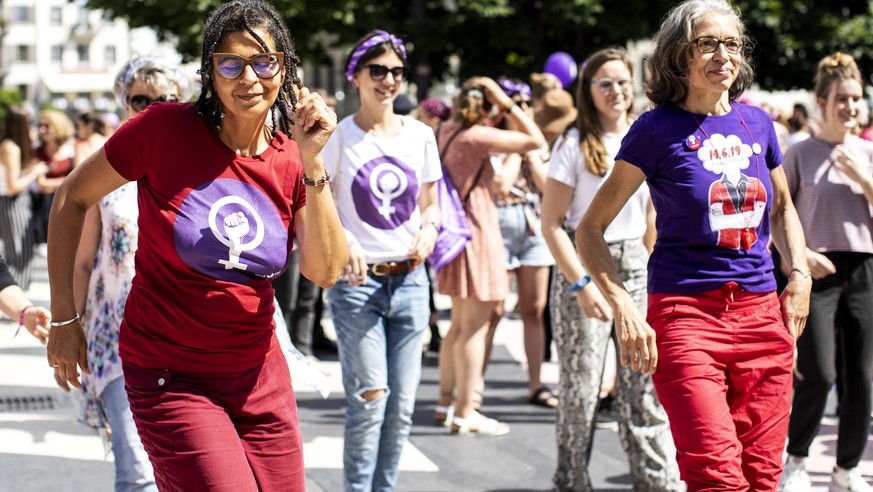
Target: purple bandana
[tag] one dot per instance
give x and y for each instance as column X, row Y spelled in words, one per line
column 380, row 37
column 512, row 88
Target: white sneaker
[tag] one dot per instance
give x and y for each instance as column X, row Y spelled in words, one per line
column 478, row 424
column 794, row 476
column 848, row 481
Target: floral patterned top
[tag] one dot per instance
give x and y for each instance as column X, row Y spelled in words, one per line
column 107, row 293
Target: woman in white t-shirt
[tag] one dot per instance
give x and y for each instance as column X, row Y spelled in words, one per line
column 384, row 169
column 581, row 318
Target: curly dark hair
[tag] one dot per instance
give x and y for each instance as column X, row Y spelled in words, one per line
column 248, row 15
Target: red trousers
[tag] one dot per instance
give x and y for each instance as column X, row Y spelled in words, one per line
column 218, row 431
column 724, row 378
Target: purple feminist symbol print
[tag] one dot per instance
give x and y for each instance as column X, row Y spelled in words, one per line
column 385, row 192
column 230, row 230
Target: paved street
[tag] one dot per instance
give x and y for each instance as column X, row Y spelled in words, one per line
column 42, row 448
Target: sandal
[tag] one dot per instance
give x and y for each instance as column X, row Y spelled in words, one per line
column 478, row 424
column 443, row 415
column 543, row 397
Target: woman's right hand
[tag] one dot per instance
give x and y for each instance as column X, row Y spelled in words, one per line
column 356, row 268
column 636, row 339
column 593, row 304
column 67, row 348
column 493, row 92
column 820, row 265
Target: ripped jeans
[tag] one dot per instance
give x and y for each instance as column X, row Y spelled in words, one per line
column 380, row 328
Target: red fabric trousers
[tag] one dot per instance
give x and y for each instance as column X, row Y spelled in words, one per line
column 724, row 378
column 219, row 432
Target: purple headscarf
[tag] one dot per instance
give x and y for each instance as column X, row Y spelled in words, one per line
column 360, row 50
column 437, row 108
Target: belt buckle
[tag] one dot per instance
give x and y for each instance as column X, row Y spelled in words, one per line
column 376, row 268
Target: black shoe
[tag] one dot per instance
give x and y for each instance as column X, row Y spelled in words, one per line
column 324, row 346
column 435, row 341
column 607, row 414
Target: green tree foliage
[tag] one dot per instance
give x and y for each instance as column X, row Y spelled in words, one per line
column 514, row 37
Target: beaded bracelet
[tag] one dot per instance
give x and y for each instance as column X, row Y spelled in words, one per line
column 65, row 322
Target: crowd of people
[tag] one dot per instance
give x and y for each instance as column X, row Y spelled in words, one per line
column 256, row 188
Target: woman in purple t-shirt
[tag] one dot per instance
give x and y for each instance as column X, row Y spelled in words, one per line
column 720, row 339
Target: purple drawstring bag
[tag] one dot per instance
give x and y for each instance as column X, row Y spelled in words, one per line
column 454, row 232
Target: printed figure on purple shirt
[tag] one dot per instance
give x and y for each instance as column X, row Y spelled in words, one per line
column 737, row 202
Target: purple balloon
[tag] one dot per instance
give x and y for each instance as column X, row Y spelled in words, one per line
column 562, row 66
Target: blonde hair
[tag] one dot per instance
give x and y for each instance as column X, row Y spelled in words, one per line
column 60, row 124
column 834, row 68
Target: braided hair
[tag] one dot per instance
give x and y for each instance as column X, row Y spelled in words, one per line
column 248, row 15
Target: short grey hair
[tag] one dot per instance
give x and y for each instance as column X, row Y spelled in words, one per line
column 154, row 72
column 668, row 65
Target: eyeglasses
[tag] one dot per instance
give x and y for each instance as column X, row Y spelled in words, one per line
column 710, row 45
column 265, row 65
column 606, row 84
column 379, row 72
column 141, row 101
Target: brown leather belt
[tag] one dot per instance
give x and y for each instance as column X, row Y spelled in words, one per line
column 393, row 267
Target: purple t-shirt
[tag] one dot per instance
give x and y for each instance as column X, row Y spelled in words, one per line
column 710, row 184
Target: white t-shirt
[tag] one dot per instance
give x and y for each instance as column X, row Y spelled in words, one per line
column 376, row 182
column 567, row 166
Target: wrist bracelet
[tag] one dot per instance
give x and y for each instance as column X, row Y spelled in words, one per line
column 21, row 318
column 65, row 322
column 804, row 274
column 509, row 108
column 316, row 182
column 579, row 284
column 434, row 224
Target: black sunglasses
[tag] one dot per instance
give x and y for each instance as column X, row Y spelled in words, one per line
column 141, row 101
column 379, row 72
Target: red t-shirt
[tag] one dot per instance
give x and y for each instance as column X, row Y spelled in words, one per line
column 214, row 229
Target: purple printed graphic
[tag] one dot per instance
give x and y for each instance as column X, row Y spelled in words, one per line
column 385, row 192
column 230, row 230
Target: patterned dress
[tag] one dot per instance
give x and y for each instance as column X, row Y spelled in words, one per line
column 479, row 272
column 107, row 293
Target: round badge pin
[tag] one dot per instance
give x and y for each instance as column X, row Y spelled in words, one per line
column 692, row 142
column 756, row 148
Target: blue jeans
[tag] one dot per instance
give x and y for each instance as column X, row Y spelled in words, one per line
column 379, row 328
column 133, row 470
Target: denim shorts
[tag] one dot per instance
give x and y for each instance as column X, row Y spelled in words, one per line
column 522, row 248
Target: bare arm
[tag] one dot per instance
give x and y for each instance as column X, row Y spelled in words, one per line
column 89, row 182
column 539, row 169
column 320, row 236
column 36, row 318
column 651, row 234
column 787, row 235
column 428, row 203
column 526, row 136
column 556, row 202
column 636, row 337
column 85, row 255
column 17, row 179
column 504, row 182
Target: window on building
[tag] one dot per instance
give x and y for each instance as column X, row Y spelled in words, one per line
column 22, row 14
column 23, row 53
column 108, row 19
column 109, row 55
column 55, row 16
column 57, row 54
column 82, row 51
column 25, row 91
column 83, row 16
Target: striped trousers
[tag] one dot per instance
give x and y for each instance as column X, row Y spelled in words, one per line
column 16, row 236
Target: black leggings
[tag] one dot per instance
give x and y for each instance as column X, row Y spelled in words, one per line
column 847, row 294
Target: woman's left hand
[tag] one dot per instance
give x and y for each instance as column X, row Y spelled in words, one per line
column 795, row 303
column 313, row 123
column 423, row 243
